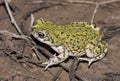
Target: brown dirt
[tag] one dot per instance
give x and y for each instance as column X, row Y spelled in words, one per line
column 107, row 15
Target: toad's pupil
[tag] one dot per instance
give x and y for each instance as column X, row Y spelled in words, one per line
column 41, row 35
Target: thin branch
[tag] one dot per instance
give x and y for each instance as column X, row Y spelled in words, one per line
column 57, row 74
column 39, row 1
column 12, row 34
column 92, row 2
column 12, row 18
column 72, row 70
column 63, row 2
column 106, row 2
column 36, row 52
column 94, row 13
column 78, row 76
column 32, row 21
column 79, row 1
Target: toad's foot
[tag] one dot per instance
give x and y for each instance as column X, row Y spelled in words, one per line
column 55, row 60
column 91, row 60
column 52, row 61
column 48, row 64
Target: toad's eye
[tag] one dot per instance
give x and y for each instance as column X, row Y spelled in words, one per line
column 41, row 34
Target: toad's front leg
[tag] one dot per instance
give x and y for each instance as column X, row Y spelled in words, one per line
column 63, row 55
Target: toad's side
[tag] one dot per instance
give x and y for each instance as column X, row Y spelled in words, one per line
column 76, row 39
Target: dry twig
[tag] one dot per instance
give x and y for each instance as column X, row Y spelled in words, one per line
column 72, row 71
column 12, row 18
column 57, row 74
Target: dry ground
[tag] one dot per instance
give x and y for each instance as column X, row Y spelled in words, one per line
column 108, row 69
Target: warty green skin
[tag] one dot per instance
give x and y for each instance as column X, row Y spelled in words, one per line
column 76, row 39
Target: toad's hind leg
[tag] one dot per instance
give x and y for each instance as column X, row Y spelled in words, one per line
column 63, row 55
column 91, row 60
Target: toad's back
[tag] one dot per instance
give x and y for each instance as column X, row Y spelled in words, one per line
column 73, row 37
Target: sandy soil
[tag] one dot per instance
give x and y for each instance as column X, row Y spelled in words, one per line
column 108, row 69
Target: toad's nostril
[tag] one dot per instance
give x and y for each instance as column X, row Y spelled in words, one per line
column 95, row 26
